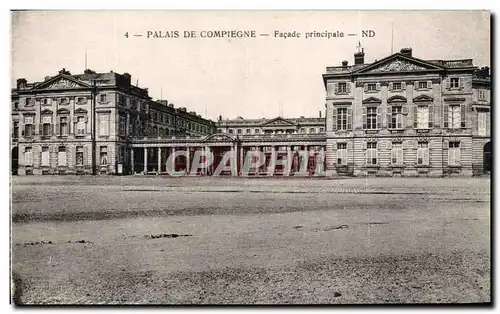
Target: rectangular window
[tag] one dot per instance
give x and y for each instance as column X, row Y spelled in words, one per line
column 121, row 126
column 423, row 153
column 80, row 126
column 28, row 130
column 46, row 129
column 248, row 131
column 29, row 102
column 396, row 86
column 422, row 117
column 79, row 156
column 481, row 95
column 397, row 154
column 371, row 153
column 63, row 126
column 81, row 100
column 341, row 118
column 45, row 156
column 104, row 155
column 312, row 130
column 257, row 131
column 61, row 156
column 15, row 130
column 396, row 118
column 422, row 85
column 103, row 124
column 321, row 130
column 454, row 116
column 454, row 82
column 371, row 118
column 482, row 123
column 28, row 156
column 102, row 98
column 454, row 153
column 371, row 87
column 231, row 131
column 342, row 153
column 342, row 88
column 302, row 130
column 239, row 131
column 64, row 101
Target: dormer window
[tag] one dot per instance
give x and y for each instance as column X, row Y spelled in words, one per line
column 372, row 87
column 454, row 82
column 103, row 98
column 422, row 85
column 396, row 86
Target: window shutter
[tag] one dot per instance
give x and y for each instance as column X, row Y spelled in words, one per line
column 349, row 118
column 86, row 119
column 365, row 146
column 379, row 117
column 405, row 110
column 336, row 87
column 40, row 129
column 57, row 132
column 334, row 118
column 389, row 145
column 365, row 87
column 431, row 116
column 463, row 113
column 349, row 146
column 403, row 85
column 415, row 85
column 429, row 84
column 415, row 116
column 461, row 82
column 388, row 117
column 426, row 156
column 348, row 87
column 445, row 116
column 378, row 86
column 390, row 86
column 448, row 83
column 364, row 118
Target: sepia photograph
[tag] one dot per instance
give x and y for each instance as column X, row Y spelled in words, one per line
column 162, row 157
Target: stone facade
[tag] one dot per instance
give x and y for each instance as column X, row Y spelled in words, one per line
column 405, row 116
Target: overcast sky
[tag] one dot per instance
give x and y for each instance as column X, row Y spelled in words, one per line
column 247, row 77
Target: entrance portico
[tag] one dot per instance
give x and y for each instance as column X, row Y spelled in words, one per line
column 228, row 153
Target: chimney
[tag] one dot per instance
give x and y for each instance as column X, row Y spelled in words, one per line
column 406, row 52
column 21, row 83
column 359, row 57
column 127, row 77
column 220, row 117
column 344, row 64
column 64, row 71
column 320, row 113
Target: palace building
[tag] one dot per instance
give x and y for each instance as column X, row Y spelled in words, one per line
column 402, row 115
column 398, row 116
column 83, row 124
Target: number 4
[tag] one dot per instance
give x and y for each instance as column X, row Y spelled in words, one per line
column 126, row 34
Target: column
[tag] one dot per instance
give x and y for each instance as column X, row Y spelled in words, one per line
column 159, row 160
column 241, row 159
column 188, row 159
column 132, row 160
column 289, row 159
column 234, row 160
column 173, row 159
column 273, row 158
column 206, row 152
column 145, row 160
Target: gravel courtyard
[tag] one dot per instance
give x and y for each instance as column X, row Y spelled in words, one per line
column 207, row 240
